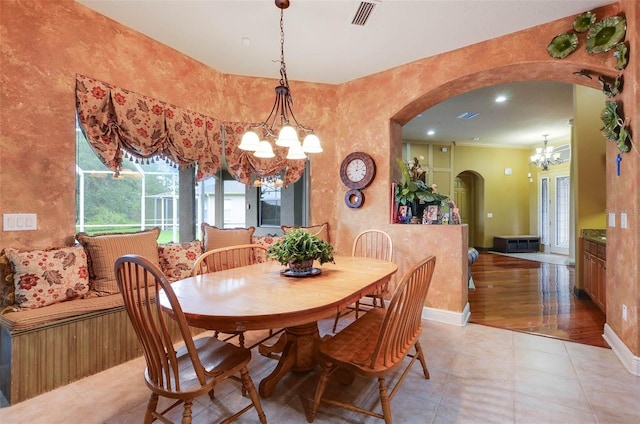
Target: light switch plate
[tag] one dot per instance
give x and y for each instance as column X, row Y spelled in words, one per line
column 612, row 219
column 623, row 220
column 19, row 221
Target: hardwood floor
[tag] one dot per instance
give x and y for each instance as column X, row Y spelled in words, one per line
column 533, row 297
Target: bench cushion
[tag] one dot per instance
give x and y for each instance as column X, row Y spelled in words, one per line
column 33, row 318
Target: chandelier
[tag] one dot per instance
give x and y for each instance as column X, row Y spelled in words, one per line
column 281, row 117
column 545, row 157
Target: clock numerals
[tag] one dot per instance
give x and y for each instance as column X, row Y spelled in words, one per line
column 356, row 170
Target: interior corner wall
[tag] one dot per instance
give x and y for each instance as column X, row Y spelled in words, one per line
column 588, row 151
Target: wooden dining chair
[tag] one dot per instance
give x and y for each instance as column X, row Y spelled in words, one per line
column 370, row 244
column 189, row 371
column 227, row 258
column 379, row 343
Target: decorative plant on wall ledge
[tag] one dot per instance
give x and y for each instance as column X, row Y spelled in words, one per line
column 413, row 188
column 601, row 37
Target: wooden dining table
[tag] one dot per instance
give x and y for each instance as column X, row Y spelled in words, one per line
column 260, row 297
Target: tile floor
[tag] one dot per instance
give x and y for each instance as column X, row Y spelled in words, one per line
column 478, row 375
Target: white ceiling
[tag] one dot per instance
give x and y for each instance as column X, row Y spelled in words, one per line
column 321, row 45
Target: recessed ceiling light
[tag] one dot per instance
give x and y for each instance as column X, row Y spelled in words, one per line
column 501, row 99
column 431, row 132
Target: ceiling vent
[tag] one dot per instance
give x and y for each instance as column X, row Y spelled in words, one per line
column 468, row 115
column 362, row 15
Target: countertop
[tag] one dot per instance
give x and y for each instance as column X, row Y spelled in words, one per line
column 595, row 235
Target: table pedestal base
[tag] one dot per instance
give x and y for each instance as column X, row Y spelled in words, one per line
column 297, row 347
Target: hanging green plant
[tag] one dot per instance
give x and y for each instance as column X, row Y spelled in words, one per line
column 611, row 87
column 562, row 45
column 614, row 128
column 583, row 22
column 609, row 117
column 621, row 55
column 624, row 141
column 603, row 35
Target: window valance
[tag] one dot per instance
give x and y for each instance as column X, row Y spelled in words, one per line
column 243, row 165
column 115, row 120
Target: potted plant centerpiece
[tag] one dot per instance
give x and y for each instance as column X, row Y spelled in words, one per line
column 298, row 249
column 413, row 191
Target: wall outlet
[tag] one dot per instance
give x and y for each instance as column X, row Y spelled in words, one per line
column 489, row 215
column 624, row 312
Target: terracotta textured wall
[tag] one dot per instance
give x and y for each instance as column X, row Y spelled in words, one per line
column 44, row 44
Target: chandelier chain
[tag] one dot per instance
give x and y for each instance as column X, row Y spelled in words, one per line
column 283, row 67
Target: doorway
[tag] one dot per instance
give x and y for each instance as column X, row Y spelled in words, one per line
column 468, row 190
column 554, row 218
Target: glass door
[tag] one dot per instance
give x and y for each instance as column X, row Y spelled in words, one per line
column 554, row 214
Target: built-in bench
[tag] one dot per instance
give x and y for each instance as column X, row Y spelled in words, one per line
column 516, row 244
column 47, row 347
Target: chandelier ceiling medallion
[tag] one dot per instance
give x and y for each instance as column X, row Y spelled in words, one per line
column 545, row 157
column 281, row 117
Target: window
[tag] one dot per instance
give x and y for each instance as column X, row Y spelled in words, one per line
column 562, row 212
column 156, row 194
column 544, row 211
column 143, row 196
column 269, row 206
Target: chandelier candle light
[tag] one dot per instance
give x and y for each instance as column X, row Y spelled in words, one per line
column 545, row 157
column 280, row 116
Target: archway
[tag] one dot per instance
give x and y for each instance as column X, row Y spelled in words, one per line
column 468, row 195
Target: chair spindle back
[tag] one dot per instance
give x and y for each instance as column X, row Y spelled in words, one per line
column 403, row 319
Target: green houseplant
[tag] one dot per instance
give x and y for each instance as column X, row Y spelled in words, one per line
column 298, row 249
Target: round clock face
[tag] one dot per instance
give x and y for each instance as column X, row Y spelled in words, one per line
column 357, row 170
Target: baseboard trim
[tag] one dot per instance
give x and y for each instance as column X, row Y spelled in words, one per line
column 459, row 319
column 628, row 359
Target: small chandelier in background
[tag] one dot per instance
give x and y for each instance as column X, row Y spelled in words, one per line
column 271, row 181
column 545, row 157
column 281, row 116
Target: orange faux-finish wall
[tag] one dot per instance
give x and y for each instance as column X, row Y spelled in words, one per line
column 44, row 44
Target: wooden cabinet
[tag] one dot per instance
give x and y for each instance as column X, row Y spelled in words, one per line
column 594, row 275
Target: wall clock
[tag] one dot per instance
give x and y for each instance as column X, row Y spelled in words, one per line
column 357, row 171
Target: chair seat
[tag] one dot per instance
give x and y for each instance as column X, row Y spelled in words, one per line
column 218, row 358
column 353, row 347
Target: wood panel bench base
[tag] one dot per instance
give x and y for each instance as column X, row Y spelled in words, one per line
column 44, row 358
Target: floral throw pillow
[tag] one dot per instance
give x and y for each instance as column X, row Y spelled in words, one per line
column 44, row 277
column 177, row 259
column 265, row 241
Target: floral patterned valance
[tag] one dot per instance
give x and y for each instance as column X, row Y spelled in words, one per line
column 243, row 164
column 115, row 120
